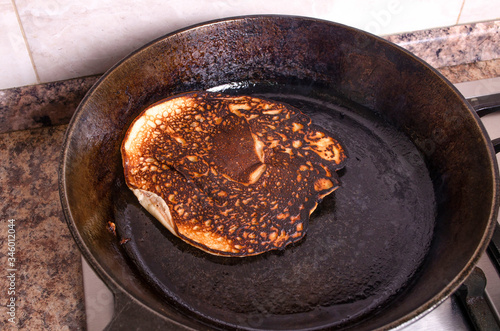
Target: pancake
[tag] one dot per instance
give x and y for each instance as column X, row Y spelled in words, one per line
column 233, row 176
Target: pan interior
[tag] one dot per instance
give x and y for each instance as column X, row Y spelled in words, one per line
column 364, row 244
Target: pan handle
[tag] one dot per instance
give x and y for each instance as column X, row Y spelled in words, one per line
column 130, row 314
column 126, row 312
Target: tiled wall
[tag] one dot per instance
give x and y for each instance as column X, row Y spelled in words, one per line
column 49, row 40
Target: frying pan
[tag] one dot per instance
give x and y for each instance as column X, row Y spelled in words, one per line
column 416, row 208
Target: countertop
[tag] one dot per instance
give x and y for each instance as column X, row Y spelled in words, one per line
column 33, row 119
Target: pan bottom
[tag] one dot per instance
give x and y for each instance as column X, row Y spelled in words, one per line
column 364, row 244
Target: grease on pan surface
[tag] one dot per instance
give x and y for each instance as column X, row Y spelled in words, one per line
column 233, row 176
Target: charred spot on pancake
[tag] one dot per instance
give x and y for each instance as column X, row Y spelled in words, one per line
column 233, row 176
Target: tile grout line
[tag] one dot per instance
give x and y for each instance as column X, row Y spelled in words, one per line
column 38, row 80
column 459, row 13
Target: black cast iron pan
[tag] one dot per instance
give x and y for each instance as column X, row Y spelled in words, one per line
column 415, row 210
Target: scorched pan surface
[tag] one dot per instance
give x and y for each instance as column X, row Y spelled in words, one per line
column 379, row 250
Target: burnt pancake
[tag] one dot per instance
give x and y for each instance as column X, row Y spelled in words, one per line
column 233, row 176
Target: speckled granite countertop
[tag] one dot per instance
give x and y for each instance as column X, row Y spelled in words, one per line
column 33, row 120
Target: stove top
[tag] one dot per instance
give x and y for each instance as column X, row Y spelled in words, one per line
column 452, row 314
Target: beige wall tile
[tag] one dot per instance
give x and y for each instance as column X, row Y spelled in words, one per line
column 480, row 10
column 76, row 38
column 15, row 67
column 385, row 17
